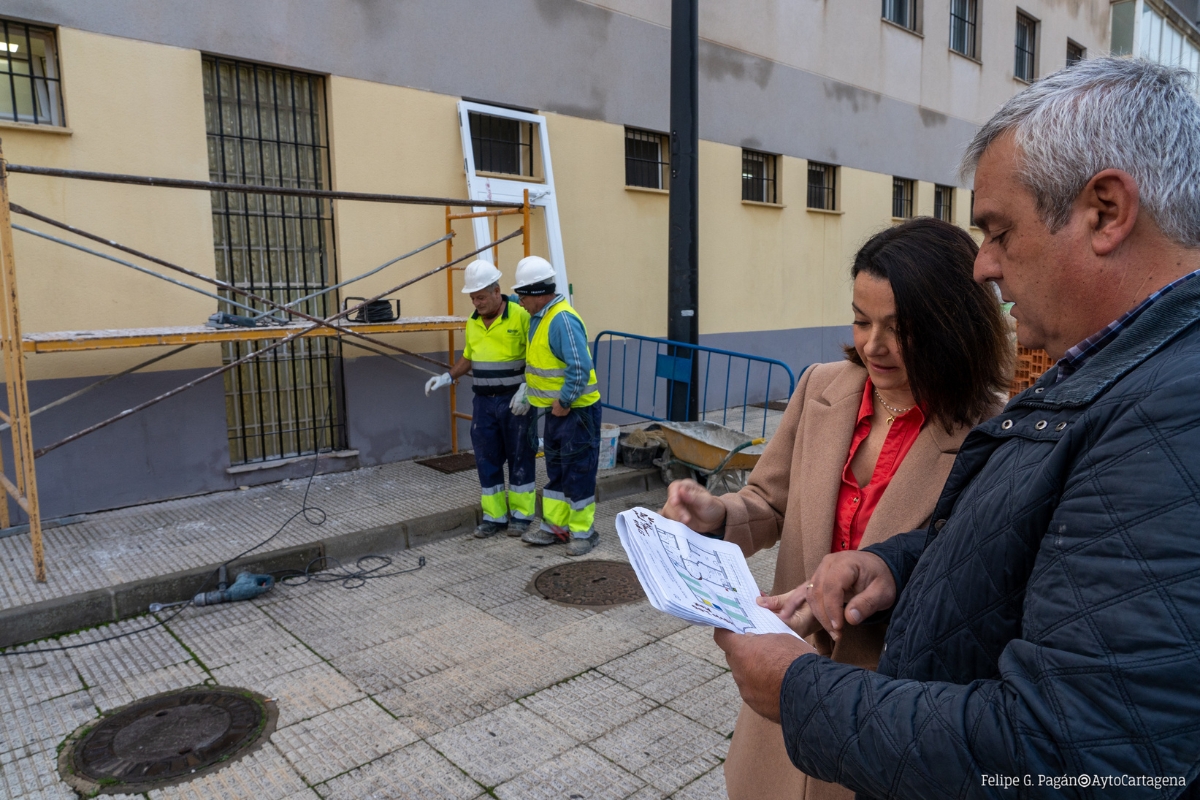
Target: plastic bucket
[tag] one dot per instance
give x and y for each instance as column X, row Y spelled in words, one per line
column 608, row 445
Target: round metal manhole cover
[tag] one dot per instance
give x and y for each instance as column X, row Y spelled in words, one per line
column 166, row 739
column 589, row 583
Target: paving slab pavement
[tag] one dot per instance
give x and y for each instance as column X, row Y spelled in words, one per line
column 112, row 565
column 448, row 682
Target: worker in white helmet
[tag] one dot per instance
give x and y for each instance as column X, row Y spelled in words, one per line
column 494, row 353
column 559, row 377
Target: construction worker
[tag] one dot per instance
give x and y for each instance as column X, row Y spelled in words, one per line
column 495, row 355
column 559, row 377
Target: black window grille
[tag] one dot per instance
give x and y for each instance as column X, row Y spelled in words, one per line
column 901, row 12
column 501, row 145
column 963, row 23
column 758, row 177
column 1075, row 53
column 1026, row 47
column 30, row 90
column 943, row 203
column 266, row 126
column 647, row 159
column 902, row 197
column 822, row 186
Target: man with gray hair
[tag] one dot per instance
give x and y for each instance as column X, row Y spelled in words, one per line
column 1044, row 631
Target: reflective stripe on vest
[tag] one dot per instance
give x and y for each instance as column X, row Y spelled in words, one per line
column 545, row 373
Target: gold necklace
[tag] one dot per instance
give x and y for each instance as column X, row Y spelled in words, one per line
column 896, row 412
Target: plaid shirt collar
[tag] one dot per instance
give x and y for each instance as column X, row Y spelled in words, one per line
column 1078, row 355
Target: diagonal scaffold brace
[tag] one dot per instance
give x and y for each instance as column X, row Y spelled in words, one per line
column 18, row 416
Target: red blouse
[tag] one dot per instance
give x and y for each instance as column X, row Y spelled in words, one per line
column 855, row 503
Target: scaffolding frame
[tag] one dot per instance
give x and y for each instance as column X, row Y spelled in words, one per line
column 14, row 344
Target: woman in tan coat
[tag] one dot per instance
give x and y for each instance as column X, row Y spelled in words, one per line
column 863, row 449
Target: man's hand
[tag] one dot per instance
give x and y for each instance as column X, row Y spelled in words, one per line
column 693, row 505
column 558, row 410
column 433, row 384
column 849, row 587
column 519, row 404
column 759, row 663
column 793, row 608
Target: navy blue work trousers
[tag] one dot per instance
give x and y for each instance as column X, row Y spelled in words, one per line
column 499, row 436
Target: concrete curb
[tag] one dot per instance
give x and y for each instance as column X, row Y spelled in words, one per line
column 114, row 603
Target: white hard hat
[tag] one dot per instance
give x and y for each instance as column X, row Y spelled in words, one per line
column 479, row 275
column 533, row 269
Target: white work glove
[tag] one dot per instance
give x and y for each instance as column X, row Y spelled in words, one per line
column 433, row 384
column 519, row 406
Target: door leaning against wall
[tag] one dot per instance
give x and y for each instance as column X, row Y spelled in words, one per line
column 267, row 126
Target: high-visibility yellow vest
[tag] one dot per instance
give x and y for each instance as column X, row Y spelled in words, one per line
column 545, row 374
column 497, row 353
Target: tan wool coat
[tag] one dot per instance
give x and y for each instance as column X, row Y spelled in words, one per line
column 790, row 498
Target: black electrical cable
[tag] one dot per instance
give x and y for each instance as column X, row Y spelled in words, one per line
column 349, row 579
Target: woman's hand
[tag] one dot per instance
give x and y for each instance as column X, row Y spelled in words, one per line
column 792, row 607
column 690, row 503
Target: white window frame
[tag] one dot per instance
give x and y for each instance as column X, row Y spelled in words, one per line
column 512, row 189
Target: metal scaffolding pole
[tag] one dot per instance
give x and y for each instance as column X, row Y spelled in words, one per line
column 24, row 492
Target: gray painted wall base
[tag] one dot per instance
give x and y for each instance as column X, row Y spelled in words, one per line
column 180, row 446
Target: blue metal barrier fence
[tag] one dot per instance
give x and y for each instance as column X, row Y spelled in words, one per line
column 629, row 368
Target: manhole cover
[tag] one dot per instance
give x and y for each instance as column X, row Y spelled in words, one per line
column 455, row 462
column 589, row 583
column 165, row 739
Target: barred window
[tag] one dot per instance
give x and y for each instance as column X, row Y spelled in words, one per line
column 822, row 186
column 29, row 79
column 901, row 12
column 1023, row 68
column 501, row 145
column 647, row 159
column 943, row 203
column 1075, row 53
column 964, row 16
column 758, row 177
column 902, row 197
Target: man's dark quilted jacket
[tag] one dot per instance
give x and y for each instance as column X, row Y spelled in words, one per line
column 1048, row 622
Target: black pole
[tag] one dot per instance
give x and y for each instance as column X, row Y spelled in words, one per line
column 683, row 279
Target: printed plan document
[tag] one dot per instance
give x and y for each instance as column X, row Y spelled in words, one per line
column 701, row 580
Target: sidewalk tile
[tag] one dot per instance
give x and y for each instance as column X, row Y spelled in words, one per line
column 502, row 744
column 588, row 706
column 597, row 639
column 341, row 740
column 37, row 727
column 260, row 645
column 417, row 772
column 579, row 774
column 116, row 693
column 663, row 748
column 709, row 786
column 715, row 704
column 32, row 678
column 660, row 672
column 392, row 664
column 698, row 640
column 536, row 616
column 299, row 695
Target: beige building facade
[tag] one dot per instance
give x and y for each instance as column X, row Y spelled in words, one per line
column 821, row 122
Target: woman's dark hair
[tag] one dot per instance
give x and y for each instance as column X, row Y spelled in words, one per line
column 952, row 335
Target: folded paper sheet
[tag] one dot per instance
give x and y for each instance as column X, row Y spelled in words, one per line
column 701, row 580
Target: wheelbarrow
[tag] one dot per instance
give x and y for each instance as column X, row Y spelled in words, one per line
column 717, row 456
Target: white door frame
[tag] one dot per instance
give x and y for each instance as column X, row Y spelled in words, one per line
column 492, row 188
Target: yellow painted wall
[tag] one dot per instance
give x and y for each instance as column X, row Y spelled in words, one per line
column 138, row 108
column 134, row 108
